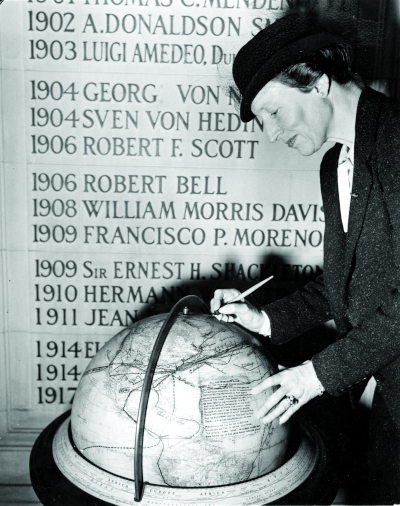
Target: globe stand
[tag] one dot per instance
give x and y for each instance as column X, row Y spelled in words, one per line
column 54, row 489
column 54, row 455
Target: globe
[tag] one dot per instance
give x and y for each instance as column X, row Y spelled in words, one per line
column 200, row 424
column 201, row 436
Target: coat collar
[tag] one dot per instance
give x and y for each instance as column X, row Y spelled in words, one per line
column 367, row 121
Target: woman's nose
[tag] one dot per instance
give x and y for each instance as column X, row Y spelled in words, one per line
column 273, row 131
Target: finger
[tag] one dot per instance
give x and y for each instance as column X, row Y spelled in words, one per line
column 222, row 296
column 235, row 308
column 215, row 302
column 278, row 411
column 230, row 294
column 288, row 413
column 227, row 318
column 271, row 381
column 238, row 300
column 272, row 401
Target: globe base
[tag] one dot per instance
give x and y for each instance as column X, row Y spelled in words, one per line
column 61, row 476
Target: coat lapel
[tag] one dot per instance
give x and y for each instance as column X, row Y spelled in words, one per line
column 366, row 129
column 330, row 194
column 362, row 182
column 335, row 238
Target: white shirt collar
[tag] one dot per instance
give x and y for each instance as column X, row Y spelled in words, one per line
column 346, row 153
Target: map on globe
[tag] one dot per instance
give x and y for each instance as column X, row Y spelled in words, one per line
column 200, row 428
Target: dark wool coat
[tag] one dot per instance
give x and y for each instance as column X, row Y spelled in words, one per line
column 360, row 285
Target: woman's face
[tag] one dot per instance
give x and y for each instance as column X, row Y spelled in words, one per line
column 299, row 119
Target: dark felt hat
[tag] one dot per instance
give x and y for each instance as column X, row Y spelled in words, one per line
column 285, row 42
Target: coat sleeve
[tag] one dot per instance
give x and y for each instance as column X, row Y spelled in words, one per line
column 295, row 314
column 375, row 341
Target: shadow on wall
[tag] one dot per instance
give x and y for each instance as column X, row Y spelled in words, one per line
column 379, row 61
column 230, row 274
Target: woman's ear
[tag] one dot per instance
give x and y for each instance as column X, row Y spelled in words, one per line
column 322, row 86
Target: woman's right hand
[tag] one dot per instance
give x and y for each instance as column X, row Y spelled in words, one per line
column 238, row 312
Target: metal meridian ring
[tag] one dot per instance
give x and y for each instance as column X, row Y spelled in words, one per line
column 292, row 400
column 189, row 300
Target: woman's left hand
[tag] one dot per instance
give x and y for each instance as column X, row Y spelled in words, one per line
column 298, row 385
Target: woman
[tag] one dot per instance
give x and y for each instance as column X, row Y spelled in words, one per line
column 296, row 77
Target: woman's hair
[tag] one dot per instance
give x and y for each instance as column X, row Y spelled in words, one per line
column 334, row 60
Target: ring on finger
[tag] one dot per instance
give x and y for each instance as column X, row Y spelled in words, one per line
column 292, row 400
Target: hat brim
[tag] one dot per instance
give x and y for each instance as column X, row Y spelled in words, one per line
column 279, row 61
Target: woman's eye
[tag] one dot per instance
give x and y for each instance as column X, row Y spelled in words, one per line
column 274, row 113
